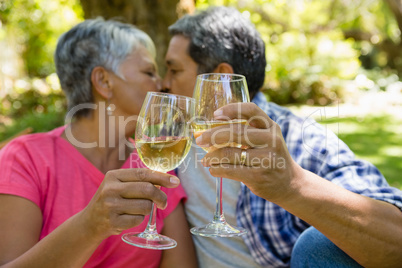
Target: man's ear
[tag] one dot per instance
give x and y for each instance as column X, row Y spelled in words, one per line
column 224, row 68
column 102, row 82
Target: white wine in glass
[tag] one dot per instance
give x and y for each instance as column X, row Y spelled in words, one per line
column 200, row 127
column 163, row 155
column 213, row 91
column 163, row 140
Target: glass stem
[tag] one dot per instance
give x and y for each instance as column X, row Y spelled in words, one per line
column 218, row 217
column 151, row 226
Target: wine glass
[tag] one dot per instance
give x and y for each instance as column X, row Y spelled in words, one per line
column 211, row 92
column 163, row 139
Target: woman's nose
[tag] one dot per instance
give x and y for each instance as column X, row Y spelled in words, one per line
column 166, row 83
column 158, row 83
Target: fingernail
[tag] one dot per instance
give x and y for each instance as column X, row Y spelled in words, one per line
column 198, row 141
column 218, row 112
column 174, row 180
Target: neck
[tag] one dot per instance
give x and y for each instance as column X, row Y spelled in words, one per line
column 99, row 141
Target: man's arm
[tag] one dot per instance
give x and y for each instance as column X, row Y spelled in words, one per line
column 368, row 230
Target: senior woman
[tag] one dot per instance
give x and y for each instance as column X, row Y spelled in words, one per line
column 68, row 194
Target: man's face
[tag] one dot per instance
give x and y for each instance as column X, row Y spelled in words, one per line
column 181, row 68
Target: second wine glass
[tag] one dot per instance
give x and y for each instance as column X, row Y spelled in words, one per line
column 212, row 91
column 163, row 140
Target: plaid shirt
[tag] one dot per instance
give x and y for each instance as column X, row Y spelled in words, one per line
column 272, row 230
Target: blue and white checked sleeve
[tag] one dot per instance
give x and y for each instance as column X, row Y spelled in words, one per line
column 317, row 149
column 273, row 230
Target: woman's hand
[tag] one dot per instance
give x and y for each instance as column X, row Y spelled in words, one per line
column 124, row 198
column 267, row 168
column 121, row 202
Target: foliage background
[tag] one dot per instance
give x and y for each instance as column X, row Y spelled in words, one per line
column 320, row 53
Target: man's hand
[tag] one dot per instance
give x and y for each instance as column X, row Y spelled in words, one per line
column 268, row 170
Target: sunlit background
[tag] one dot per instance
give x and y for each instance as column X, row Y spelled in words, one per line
column 339, row 61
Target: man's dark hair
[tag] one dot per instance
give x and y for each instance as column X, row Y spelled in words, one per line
column 222, row 34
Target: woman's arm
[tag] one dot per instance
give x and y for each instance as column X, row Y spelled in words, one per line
column 20, row 227
column 120, row 202
column 176, row 227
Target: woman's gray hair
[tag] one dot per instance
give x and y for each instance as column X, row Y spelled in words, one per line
column 92, row 43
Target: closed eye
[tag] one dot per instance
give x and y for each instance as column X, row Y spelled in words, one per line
column 150, row 73
column 173, row 71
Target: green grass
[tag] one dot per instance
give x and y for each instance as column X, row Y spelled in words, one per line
column 377, row 139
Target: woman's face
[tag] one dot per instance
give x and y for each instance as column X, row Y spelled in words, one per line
column 141, row 76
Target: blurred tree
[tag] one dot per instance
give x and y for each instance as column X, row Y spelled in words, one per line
column 36, row 25
column 315, row 48
column 32, row 96
column 152, row 16
column 378, row 27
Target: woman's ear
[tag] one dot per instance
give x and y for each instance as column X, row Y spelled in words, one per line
column 224, row 68
column 102, row 82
